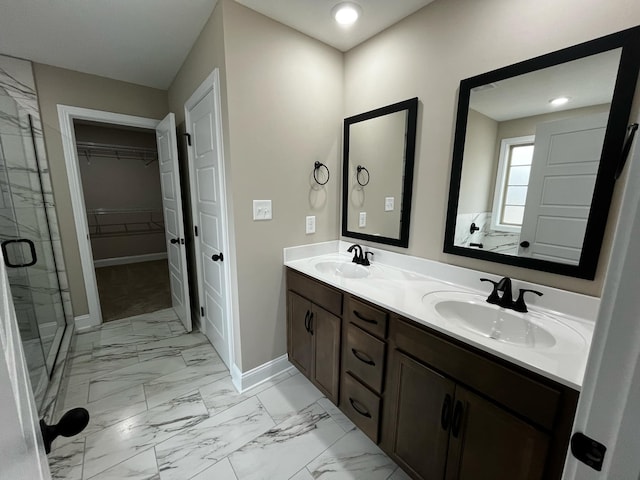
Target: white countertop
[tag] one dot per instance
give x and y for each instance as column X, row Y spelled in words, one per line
column 399, row 282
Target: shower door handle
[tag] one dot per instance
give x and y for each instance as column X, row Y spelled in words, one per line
column 5, row 254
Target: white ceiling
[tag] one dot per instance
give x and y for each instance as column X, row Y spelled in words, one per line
column 146, row 41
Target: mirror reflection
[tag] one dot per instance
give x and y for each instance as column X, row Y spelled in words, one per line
column 379, row 151
column 532, row 150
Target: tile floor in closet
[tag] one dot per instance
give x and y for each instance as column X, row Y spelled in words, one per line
column 163, row 407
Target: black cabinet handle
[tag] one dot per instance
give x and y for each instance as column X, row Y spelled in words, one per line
column 364, row 319
column 445, row 415
column 306, row 320
column 456, row 423
column 217, row 257
column 358, row 407
column 311, row 323
column 32, row 248
column 363, row 357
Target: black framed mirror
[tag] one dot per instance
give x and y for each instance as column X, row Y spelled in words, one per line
column 536, row 149
column 377, row 173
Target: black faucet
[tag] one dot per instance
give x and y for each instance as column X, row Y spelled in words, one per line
column 506, row 299
column 365, row 261
column 358, row 256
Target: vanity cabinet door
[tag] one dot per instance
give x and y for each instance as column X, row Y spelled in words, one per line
column 325, row 330
column 488, row 442
column 299, row 338
column 422, row 408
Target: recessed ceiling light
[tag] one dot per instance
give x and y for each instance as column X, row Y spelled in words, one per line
column 556, row 102
column 346, row 13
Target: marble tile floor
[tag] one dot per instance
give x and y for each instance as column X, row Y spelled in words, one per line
column 163, row 407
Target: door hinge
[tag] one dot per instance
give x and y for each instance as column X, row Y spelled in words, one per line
column 202, row 311
column 188, row 135
column 196, row 229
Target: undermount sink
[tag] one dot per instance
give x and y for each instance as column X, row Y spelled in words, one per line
column 343, row 269
column 471, row 313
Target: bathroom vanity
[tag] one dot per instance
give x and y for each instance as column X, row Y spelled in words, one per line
column 442, row 399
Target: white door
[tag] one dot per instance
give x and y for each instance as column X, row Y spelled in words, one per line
column 206, row 175
column 565, row 164
column 174, row 227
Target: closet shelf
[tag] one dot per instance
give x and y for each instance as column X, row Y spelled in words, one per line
column 90, row 150
column 105, row 223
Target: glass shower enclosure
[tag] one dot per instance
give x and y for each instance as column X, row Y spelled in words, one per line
column 28, row 226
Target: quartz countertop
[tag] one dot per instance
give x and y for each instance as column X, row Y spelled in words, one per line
column 399, row 282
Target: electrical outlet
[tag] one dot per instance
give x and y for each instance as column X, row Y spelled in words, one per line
column 262, row 210
column 362, row 222
column 388, row 204
column 310, row 224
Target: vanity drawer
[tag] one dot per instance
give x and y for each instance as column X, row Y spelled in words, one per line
column 317, row 292
column 526, row 396
column 367, row 317
column 365, row 357
column 361, row 405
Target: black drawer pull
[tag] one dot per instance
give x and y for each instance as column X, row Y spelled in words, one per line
column 363, row 357
column 306, row 320
column 445, row 415
column 364, row 319
column 457, row 419
column 311, row 323
column 361, row 410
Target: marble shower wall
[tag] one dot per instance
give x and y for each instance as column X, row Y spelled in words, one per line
column 491, row 240
column 27, row 210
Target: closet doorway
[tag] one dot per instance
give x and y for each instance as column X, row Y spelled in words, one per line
column 123, row 200
column 110, row 227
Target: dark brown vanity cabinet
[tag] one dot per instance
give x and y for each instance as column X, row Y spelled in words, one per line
column 363, row 364
column 454, row 414
column 314, row 331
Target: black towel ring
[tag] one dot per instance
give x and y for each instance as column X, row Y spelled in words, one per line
column 360, row 168
column 317, row 167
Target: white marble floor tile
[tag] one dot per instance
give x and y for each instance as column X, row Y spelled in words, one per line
column 289, row 397
column 339, row 417
column 285, row 449
column 163, row 389
column 200, row 354
column 195, row 449
column 162, row 347
column 302, row 475
column 220, row 395
column 353, row 457
column 220, row 471
column 115, row 408
column 140, row 373
column 176, row 327
column 141, row 467
column 129, row 437
column 65, row 459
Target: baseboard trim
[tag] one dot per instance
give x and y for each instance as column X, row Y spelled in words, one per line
column 243, row 381
column 83, row 322
column 147, row 257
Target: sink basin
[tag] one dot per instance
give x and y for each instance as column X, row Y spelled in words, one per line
column 472, row 314
column 343, row 269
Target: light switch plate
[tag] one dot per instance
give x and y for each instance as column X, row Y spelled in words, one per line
column 310, row 224
column 389, row 204
column 262, row 210
column 362, row 221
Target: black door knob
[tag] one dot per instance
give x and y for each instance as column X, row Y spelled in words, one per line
column 525, row 244
column 216, row 258
column 174, row 240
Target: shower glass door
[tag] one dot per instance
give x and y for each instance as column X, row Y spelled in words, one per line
column 26, row 235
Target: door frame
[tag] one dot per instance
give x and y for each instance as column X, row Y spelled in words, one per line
column 66, row 115
column 212, row 82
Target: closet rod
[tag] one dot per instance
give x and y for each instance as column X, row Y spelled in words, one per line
column 105, row 150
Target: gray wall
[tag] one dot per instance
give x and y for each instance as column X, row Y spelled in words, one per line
column 61, row 86
column 427, row 54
